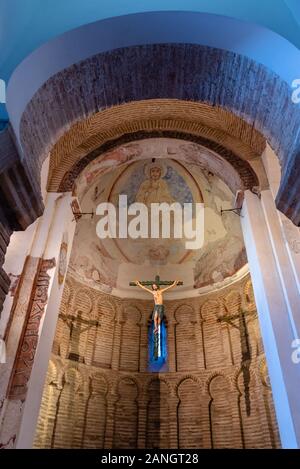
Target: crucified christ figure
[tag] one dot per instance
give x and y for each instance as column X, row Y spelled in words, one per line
column 158, row 311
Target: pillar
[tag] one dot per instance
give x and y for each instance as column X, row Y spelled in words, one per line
column 275, row 305
column 34, row 318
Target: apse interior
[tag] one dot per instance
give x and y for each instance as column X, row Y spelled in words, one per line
column 212, row 389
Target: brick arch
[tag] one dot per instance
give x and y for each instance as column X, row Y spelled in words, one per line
column 238, row 175
column 66, row 407
column 221, row 412
column 117, row 124
column 232, row 85
column 164, row 380
column 130, row 339
column 95, row 414
column 126, row 410
column 128, row 377
column 73, row 376
column 213, row 342
column 189, row 414
column 95, row 379
column 82, row 301
column 186, row 377
column 185, row 338
column 135, row 315
column 189, row 309
column 103, row 306
column 105, row 313
column 211, row 377
column 210, row 309
column 233, row 301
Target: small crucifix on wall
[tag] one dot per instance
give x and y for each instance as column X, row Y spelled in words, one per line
column 77, row 325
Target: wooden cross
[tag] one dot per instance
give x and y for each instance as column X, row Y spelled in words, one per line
column 230, row 318
column 245, row 348
column 157, row 281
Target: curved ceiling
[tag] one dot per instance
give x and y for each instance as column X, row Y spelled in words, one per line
column 234, row 59
column 236, row 36
column 186, row 173
column 232, row 138
column 188, row 72
column 27, row 25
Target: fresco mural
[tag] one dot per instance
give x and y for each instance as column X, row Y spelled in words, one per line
column 109, row 263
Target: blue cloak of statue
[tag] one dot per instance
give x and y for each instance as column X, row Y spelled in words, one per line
column 157, row 348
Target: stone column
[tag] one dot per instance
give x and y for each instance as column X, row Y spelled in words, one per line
column 284, row 267
column 278, row 325
column 291, row 232
column 62, row 227
column 18, row 312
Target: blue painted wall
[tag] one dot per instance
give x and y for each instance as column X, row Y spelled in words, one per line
column 27, row 24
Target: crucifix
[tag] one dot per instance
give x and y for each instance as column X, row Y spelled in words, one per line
column 245, row 347
column 158, row 311
column 76, row 325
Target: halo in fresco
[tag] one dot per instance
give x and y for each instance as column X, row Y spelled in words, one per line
column 146, row 172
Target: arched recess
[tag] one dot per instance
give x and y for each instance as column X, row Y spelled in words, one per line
column 224, row 428
column 126, row 415
column 96, row 411
column 237, row 327
column 130, row 339
column 213, row 339
column 189, row 414
column 185, row 338
column 66, row 410
column 104, row 339
column 46, row 421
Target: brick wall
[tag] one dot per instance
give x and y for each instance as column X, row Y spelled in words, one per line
column 215, row 394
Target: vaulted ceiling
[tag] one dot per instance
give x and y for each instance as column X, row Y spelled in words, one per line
column 215, row 77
